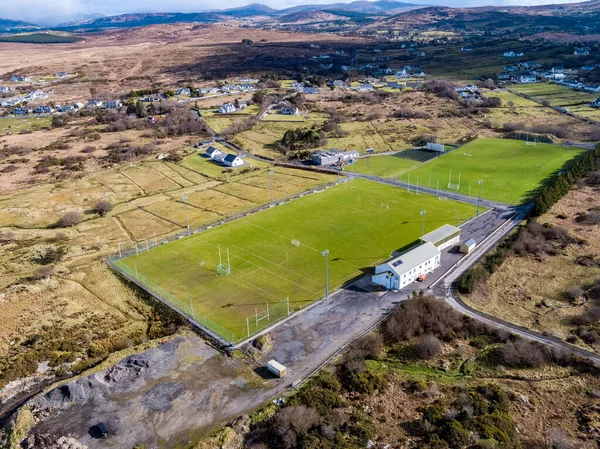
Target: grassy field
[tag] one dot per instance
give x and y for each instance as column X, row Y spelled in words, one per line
column 383, row 166
column 511, row 170
column 360, row 222
column 15, row 125
column 556, row 94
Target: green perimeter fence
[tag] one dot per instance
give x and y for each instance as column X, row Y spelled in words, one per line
column 261, row 320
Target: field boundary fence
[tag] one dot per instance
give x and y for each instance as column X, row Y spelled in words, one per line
column 275, row 312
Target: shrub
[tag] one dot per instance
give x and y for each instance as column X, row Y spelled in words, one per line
column 292, row 423
column 427, row 346
column 51, row 255
column 102, row 207
column 69, row 219
column 42, row 273
column 455, row 434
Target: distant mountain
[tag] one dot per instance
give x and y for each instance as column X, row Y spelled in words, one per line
column 143, row 19
column 10, row 26
column 255, row 9
column 373, row 7
column 60, row 20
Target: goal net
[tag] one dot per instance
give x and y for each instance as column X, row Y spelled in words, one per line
column 223, row 270
column 453, row 186
column 296, row 242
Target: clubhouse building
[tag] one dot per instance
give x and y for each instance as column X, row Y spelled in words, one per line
column 417, row 262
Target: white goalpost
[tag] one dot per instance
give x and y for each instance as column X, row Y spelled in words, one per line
column 224, row 269
column 451, row 185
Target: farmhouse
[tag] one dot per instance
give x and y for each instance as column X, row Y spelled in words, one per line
column 407, row 267
column 231, row 160
column 42, row 110
column 213, row 153
column 227, row 108
column 112, row 104
column 443, row 237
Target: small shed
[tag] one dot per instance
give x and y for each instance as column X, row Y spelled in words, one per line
column 468, row 246
column 277, row 368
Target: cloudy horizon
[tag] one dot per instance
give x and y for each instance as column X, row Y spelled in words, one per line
column 54, row 11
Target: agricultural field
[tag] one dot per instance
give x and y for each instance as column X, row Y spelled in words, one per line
column 556, row 94
column 360, row 222
column 263, row 137
column 511, row 170
column 15, row 125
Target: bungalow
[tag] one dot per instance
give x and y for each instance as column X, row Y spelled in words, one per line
column 365, row 88
column 310, row 90
column 297, row 85
column 595, row 103
column 61, row 74
column 213, row 153
column 246, row 86
column 229, row 87
column 466, row 48
column 184, row 91
column 509, row 54
column 503, row 76
column 582, row 51
column 19, row 78
column 116, row 104
column 78, row 105
column 289, row 110
column 338, row 83
column 4, row 89
column 227, row 108
column 323, row 56
column 558, row 69
column 527, row 79
column 20, row 111
column 42, row 110
column 231, row 160
column 94, row 104
column 244, row 80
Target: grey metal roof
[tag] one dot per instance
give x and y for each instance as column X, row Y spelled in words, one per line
column 441, row 233
column 412, row 258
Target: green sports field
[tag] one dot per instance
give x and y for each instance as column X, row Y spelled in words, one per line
column 360, row 222
column 388, row 166
column 511, row 170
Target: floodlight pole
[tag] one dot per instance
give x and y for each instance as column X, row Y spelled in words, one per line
column 422, row 214
column 187, row 223
column 326, row 255
column 480, row 182
column 271, row 183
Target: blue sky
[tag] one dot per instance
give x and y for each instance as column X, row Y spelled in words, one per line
column 35, row 10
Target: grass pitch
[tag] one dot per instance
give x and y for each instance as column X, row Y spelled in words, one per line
column 511, row 170
column 360, row 222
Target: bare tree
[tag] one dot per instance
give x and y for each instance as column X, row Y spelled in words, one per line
column 294, row 422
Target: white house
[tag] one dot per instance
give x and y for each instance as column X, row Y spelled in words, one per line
column 407, row 267
column 183, row 91
column 231, row 160
column 227, row 108
column 338, row 83
column 596, row 103
column 527, row 79
column 585, row 51
column 213, row 153
column 509, row 54
column 443, row 237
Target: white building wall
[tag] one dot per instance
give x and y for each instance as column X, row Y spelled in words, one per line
column 454, row 241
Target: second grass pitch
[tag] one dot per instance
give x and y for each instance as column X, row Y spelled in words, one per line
column 360, row 222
